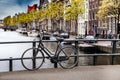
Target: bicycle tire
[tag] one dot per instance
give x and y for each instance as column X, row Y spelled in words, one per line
column 28, row 60
column 70, row 57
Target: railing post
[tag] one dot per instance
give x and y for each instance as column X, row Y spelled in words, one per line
column 94, row 60
column 95, row 57
column 113, row 51
column 10, row 64
column 55, row 63
column 34, row 55
column 76, row 47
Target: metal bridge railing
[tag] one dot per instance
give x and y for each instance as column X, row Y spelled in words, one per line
column 76, row 41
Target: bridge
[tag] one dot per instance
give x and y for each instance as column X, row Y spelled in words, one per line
column 106, row 72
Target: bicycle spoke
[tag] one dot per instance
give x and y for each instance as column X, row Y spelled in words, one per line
column 68, row 53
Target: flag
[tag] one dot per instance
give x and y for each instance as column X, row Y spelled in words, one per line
column 32, row 8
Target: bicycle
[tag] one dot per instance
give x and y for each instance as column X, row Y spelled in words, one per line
column 65, row 56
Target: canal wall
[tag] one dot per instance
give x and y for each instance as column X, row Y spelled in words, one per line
column 107, row 47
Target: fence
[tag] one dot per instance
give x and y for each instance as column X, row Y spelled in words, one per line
column 76, row 41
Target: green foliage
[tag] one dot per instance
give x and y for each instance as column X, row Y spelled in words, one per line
column 10, row 21
column 108, row 7
column 7, row 20
column 55, row 10
column 77, row 8
column 14, row 21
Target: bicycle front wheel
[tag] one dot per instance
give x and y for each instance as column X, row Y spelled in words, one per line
column 67, row 58
column 32, row 59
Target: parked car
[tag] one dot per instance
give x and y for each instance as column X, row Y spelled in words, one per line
column 56, row 34
column 32, row 33
column 45, row 35
column 64, row 35
column 22, row 30
column 90, row 39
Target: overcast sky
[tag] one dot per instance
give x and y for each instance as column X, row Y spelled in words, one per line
column 10, row 7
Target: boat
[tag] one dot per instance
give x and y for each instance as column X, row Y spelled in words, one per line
column 22, row 30
column 32, row 33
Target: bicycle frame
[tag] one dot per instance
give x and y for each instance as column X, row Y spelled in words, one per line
column 45, row 50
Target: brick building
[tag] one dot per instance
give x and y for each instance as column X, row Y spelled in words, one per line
column 93, row 19
column 104, row 26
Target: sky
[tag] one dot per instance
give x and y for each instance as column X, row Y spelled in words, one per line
column 11, row 7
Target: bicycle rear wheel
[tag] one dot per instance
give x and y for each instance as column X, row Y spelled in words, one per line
column 32, row 59
column 67, row 58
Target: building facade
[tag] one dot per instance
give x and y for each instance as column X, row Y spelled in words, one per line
column 93, row 19
column 102, row 27
column 83, row 24
column 1, row 23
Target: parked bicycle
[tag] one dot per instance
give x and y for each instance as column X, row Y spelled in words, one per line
column 65, row 56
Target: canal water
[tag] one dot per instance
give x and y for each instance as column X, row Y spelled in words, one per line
column 16, row 50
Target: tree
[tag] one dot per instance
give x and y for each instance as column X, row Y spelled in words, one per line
column 14, row 21
column 10, row 21
column 55, row 12
column 108, row 8
column 77, row 8
column 7, row 21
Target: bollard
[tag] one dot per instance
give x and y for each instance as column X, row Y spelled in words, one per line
column 10, row 64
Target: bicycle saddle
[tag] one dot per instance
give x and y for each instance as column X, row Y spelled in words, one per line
column 60, row 39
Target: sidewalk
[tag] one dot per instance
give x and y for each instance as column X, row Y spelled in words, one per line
column 107, row 72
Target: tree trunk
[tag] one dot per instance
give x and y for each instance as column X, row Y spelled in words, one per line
column 76, row 27
column 61, row 25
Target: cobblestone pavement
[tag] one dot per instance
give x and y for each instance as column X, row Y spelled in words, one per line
column 107, row 72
